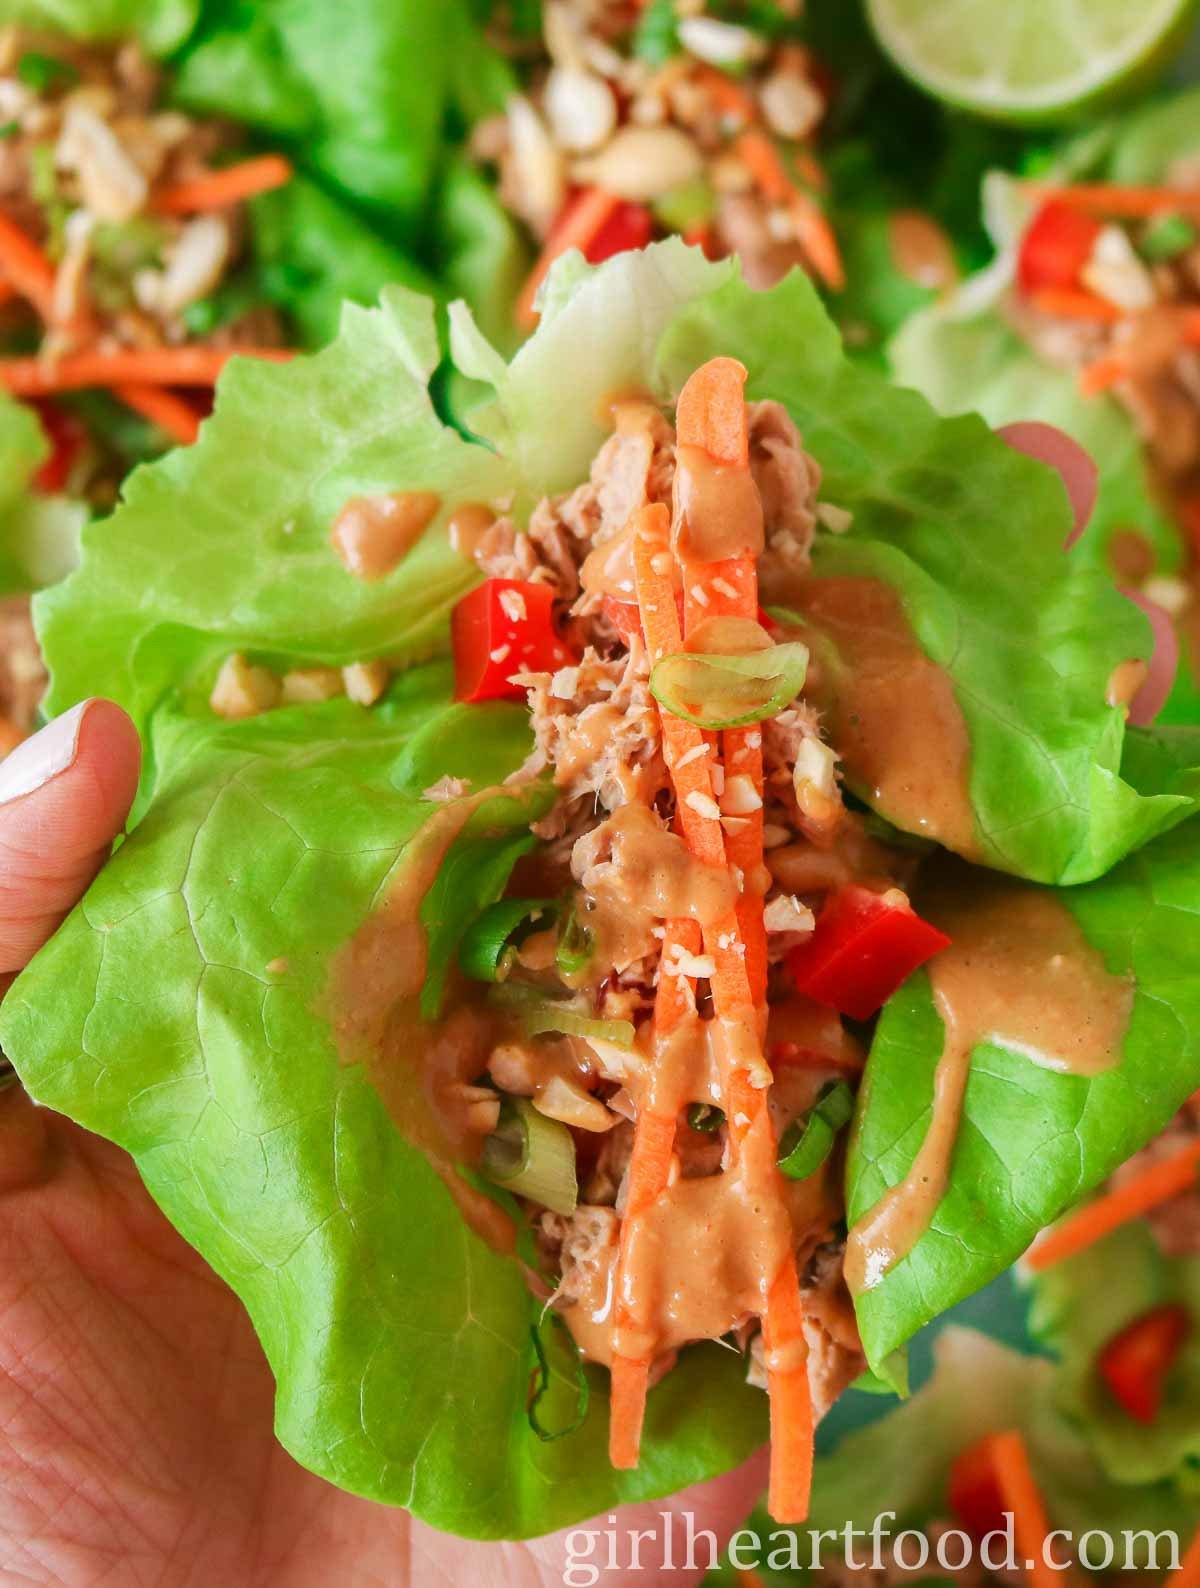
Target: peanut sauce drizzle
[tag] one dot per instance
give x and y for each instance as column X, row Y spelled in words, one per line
column 1019, row 975
column 373, row 534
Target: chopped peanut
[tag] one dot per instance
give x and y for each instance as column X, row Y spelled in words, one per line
column 243, row 690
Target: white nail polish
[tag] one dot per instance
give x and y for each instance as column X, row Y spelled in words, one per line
column 50, row 751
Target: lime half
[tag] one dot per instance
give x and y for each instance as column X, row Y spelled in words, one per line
column 1030, row 60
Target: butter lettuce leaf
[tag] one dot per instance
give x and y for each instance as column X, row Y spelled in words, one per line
column 1032, row 1141
column 1077, row 1308
column 399, row 1338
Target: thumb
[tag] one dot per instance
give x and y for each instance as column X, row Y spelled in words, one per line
column 64, row 797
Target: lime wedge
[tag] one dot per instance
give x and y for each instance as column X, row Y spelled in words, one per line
column 1030, row 60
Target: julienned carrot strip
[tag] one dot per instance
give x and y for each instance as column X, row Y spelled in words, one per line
column 1103, row 373
column 711, row 413
column 792, row 1423
column 1068, row 305
column 26, row 268
column 231, row 185
column 575, row 228
column 1187, row 1573
column 1010, row 1462
column 1151, row 1186
column 149, row 366
column 654, row 1133
column 1114, row 199
column 813, row 231
column 162, row 407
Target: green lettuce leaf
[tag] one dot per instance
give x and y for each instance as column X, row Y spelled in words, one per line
column 901, row 1462
column 1032, row 1141
column 161, row 25
column 399, row 1339
column 1077, row 1307
column 259, row 847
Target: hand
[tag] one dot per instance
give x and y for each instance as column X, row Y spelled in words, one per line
column 136, row 1442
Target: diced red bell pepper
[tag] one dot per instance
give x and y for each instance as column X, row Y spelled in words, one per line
column 67, row 438
column 1135, row 1363
column 504, row 626
column 1056, row 246
column 973, row 1490
column 629, row 226
column 864, row 946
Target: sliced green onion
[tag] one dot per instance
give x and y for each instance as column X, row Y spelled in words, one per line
column 575, row 946
column 1166, row 237
column 809, row 1141
column 540, row 1383
column 489, row 945
column 690, row 204
column 9, row 129
column 540, row 1013
column 656, row 36
column 43, row 181
column 532, row 1156
column 703, row 1116
column 40, row 72
column 728, row 691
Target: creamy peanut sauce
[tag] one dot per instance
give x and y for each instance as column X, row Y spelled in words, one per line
column 922, row 251
column 416, row 1066
column 466, row 527
column 718, row 511
column 372, row 534
column 650, row 876
column 608, row 568
column 891, row 712
column 1124, row 682
column 1019, row 974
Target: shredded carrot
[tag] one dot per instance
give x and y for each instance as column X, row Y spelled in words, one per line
column 576, row 227
column 1010, row 1462
column 1157, row 1183
column 1114, row 199
column 813, row 231
column 162, row 407
column 1187, row 1573
column 627, row 1410
column 733, row 103
column 26, row 267
column 231, row 185
column 149, row 366
column 711, row 414
column 1067, row 305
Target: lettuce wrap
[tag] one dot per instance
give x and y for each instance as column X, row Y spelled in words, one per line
column 978, row 1387
column 279, row 810
column 992, row 348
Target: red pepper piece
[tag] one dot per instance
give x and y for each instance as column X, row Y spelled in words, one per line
column 864, row 946
column 629, row 226
column 973, row 1490
column 1056, row 246
column 1135, row 1363
column 67, row 439
column 504, row 626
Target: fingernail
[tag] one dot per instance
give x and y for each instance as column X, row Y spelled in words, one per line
column 50, row 751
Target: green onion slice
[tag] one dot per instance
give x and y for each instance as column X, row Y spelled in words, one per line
column 703, row 1116
column 42, row 72
column 532, row 1156
column 808, row 1141
column 540, row 1382
column 575, row 946
column 540, row 1013
column 729, row 691
column 1167, row 237
column 489, row 945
